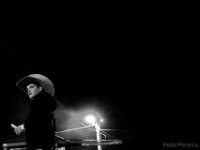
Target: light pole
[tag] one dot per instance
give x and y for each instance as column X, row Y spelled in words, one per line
column 98, row 134
column 96, row 122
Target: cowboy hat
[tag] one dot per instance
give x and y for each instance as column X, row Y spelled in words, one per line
column 43, row 81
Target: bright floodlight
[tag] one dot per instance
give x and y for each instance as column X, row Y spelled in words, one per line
column 90, row 119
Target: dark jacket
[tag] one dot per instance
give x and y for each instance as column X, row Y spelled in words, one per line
column 40, row 124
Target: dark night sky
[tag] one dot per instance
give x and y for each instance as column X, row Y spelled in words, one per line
column 127, row 65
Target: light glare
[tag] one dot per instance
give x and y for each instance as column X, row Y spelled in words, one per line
column 90, row 119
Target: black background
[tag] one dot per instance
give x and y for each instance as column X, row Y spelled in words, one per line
column 139, row 63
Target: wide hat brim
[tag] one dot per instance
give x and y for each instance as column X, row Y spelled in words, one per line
column 42, row 80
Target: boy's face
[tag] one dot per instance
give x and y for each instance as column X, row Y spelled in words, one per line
column 33, row 90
